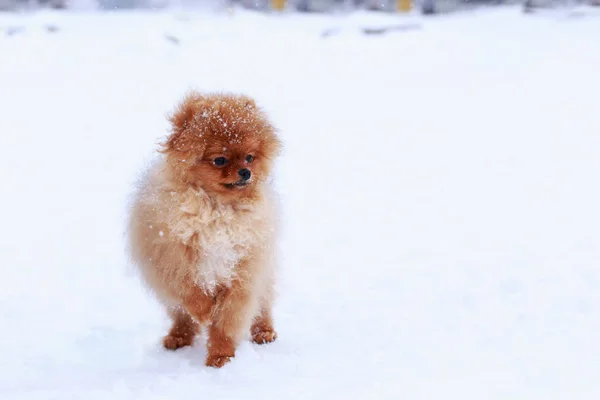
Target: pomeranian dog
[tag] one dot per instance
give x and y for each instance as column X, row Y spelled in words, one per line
column 202, row 227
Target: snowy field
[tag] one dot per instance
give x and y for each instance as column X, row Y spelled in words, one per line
column 440, row 187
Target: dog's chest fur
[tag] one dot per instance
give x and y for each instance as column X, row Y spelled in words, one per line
column 222, row 234
column 225, row 241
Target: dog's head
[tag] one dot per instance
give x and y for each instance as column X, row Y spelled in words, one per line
column 221, row 143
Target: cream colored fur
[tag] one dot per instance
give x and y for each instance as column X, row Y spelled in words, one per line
column 181, row 238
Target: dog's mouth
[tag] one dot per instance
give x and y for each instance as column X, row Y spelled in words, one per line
column 236, row 185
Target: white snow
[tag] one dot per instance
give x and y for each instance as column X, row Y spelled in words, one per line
column 440, row 188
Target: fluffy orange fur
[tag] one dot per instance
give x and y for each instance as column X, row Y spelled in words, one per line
column 202, row 227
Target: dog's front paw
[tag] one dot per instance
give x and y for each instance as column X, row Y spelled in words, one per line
column 262, row 336
column 176, row 342
column 217, row 361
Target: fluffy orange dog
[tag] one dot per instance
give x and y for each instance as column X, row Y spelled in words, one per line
column 202, row 227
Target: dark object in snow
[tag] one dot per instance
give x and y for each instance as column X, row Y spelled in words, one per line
column 428, row 7
column 314, row 6
column 171, row 38
column 532, row 6
column 13, row 30
column 373, row 30
column 52, row 28
column 386, row 29
column 55, row 4
column 330, row 32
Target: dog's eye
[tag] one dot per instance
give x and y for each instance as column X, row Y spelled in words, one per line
column 220, row 161
column 249, row 158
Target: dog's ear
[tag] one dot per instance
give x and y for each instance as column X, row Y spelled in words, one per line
column 183, row 121
column 183, row 115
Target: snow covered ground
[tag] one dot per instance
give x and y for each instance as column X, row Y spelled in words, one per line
column 440, row 188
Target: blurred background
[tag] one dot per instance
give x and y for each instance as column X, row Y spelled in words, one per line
column 439, row 186
column 322, row 6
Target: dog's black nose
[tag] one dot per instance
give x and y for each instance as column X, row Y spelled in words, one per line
column 245, row 173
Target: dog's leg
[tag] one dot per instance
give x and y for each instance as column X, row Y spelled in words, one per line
column 262, row 330
column 196, row 309
column 183, row 331
column 233, row 315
